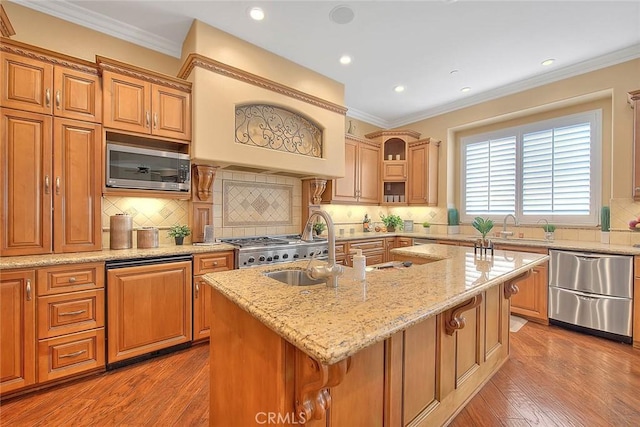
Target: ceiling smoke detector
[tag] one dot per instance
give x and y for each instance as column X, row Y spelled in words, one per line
column 341, row 14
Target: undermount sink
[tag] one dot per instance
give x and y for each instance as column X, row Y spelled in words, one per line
column 293, row 277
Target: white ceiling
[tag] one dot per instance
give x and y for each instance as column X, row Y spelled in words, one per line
column 497, row 47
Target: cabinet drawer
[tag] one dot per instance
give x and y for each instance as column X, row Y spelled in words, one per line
column 70, row 354
column 340, row 249
column 69, row 313
column 69, row 278
column 371, row 245
column 374, row 258
column 404, row 242
column 209, row 263
column 636, row 266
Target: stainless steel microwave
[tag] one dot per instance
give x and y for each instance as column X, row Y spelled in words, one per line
column 148, row 169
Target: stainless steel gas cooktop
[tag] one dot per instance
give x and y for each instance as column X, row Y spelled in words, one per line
column 262, row 250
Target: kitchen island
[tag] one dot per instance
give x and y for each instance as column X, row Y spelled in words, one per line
column 408, row 346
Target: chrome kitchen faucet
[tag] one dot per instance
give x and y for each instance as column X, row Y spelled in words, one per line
column 331, row 271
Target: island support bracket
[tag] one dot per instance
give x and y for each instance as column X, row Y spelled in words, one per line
column 454, row 319
column 312, row 381
column 510, row 287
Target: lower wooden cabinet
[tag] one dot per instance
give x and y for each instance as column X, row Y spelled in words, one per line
column 18, row 331
column 531, row 301
column 70, row 354
column 636, row 305
column 203, row 264
column 149, row 308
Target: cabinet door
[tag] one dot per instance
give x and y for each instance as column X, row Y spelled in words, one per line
column 149, row 308
column 394, row 171
column 344, row 189
column 417, row 175
column 531, row 299
column 369, row 174
column 201, row 309
column 171, row 113
column 126, row 103
column 77, row 95
column 18, row 332
column 26, row 183
column 27, row 84
column 77, row 189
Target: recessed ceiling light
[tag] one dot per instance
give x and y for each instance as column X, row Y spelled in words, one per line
column 345, row 60
column 256, row 13
column 465, row 89
column 399, row 89
column 341, row 14
column 547, row 62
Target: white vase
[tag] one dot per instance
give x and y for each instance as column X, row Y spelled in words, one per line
column 453, row 229
column 604, row 237
column 427, row 230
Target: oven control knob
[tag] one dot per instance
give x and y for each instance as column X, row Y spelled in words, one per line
column 269, row 259
column 326, row 251
column 296, row 255
column 261, row 258
column 275, row 257
column 311, row 254
column 251, row 259
column 285, row 256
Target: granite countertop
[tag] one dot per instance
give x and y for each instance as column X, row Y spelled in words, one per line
column 31, row 261
column 331, row 324
column 572, row 245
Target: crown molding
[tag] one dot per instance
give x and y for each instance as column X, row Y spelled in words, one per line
column 367, row 118
column 102, row 23
column 58, row 59
column 108, row 64
column 6, row 29
column 608, row 60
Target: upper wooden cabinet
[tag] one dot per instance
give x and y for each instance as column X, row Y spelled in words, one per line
column 54, row 85
column 144, row 102
column 361, row 182
column 49, row 164
column 634, row 100
column 423, row 172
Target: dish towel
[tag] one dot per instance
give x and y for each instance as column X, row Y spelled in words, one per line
column 516, row 323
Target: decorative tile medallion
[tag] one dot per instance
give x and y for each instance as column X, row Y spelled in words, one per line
column 254, row 203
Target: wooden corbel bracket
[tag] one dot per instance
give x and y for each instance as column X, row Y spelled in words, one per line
column 454, row 319
column 510, row 287
column 312, row 382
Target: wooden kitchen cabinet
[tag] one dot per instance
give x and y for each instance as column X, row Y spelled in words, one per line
column 634, row 100
column 423, row 172
column 636, row 305
column 203, row 264
column 373, row 249
column 149, row 309
column 18, row 332
column 531, row 301
column 39, row 86
column 144, row 102
column 49, row 164
column 71, row 320
column 361, row 183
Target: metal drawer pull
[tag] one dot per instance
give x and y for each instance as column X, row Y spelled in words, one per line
column 215, row 263
column 197, row 289
column 155, row 120
column 74, row 354
column 148, row 118
column 72, row 313
column 47, row 186
column 47, row 97
column 72, row 280
column 57, row 185
column 28, row 289
column 58, row 99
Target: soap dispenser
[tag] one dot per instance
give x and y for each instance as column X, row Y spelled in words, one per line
column 359, row 264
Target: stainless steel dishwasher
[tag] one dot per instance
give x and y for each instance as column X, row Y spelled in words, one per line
column 592, row 292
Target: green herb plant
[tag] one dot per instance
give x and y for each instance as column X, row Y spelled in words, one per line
column 483, row 225
column 319, row 227
column 549, row 228
column 179, row 231
column 426, row 224
column 392, row 221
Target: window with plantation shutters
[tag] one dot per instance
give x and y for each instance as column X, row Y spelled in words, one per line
column 547, row 170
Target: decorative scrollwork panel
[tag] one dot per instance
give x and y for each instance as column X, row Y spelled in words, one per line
column 278, row 129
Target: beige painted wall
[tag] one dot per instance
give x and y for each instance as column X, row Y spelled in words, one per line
column 55, row 34
column 216, row 96
column 358, row 127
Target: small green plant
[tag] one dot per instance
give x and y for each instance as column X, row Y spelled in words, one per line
column 549, row 228
column 319, row 227
column 452, row 217
column 392, row 221
column 426, row 224
column 483, row 225
column 605, row 218
column 179, row 231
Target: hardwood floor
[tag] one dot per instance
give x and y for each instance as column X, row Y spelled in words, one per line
column 553, row 378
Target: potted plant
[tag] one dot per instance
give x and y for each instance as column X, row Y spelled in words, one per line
column 392, row 222
column 179, row 232
column 319, row 227
column 605, row 224
column 453, row 221
column 484, row 226
column 427, row 227
column 548, row 231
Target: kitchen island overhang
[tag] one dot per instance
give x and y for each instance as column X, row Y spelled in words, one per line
column 400, row 336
